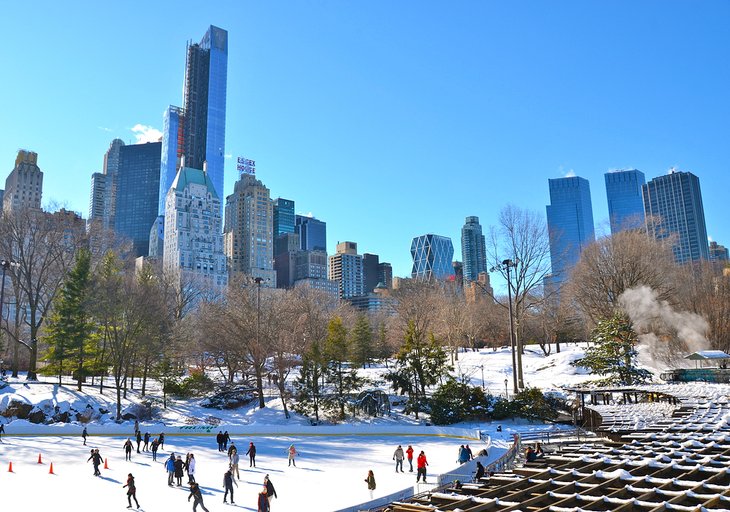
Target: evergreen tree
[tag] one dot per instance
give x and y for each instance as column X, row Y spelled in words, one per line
column 71, row 329
column 420, row 363
column 308, row 384
column 362, row 342
column 613, row 353
column 338, row 372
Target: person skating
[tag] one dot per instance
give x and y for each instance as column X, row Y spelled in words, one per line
column 95, row 459
column 131, row 491
column 409, row 452
column 191, row 468
column 170, row 468
column 226, row 440
column 139, row 440
column 263, row 502
column 463, row 455
column 270, row 491
column 179, row 470
column 292, row 455
column 84, row 435
column 231, row 449
column 219, row 440
column 251, row 452
column 2, row 431
column 162, row 440
column 398, row 457
column 155, row 446
column 195, row 493
column 234, row 464
column 146, row 446
column 468, row 450
column 128, row 449
column 136, row 426
column 228, row 482
column 370, row 480
column 421, row 464
column 479, row 472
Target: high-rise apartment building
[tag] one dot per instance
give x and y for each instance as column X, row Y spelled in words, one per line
column 673, row 207
column 345, row 267
column 312, row 233
column 193, row 237
column 432, row 257
column 24, row 184
column 286, row 247
column 197, row 131
column 570, row 223
column 385, row 275
column 283, row 216
column 137, row 181
column 625, row 200
column 370, row 263
column 719, row 252
column 249, row 230
column 101, row 190
column 473, row 249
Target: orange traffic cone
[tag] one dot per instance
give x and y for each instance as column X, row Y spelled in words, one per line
column 40, row 461
column 50, row 471
column 106, row 465
column 10, row 467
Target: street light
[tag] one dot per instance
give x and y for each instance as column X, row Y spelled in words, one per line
column 506, row 392
column 258, row 281
column 506, row 265
column 482, row 367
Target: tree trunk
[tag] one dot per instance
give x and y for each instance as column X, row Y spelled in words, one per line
column 260, row 386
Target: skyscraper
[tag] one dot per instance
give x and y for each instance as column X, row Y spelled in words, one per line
column 719, row 252
column 385, row 274
column 197, row 131
column 312, row 233
column 570, row 223
column 346, row 268
column 193, row 238
column 24, row 184
column 283, row 216
column 432, row 257
column 249, row 230
column 137, row 180
column 370, row 264
column 625, row 201
column 473, row 249
column 673, row 207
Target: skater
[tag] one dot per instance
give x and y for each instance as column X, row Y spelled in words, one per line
column 128, row 449
column 179, row 472
column 421, row 462
column 479, row 472
column 270, row 491
column 131, row 491
column 2, row 431
column 162, row 440
column 234, row 464
column 409, row 452
column 398, row 457
column 228, row 482
column 263, row 503
column 136, row 426
column 195, row 493
column 155, row 445
column 146, row 442
column 370, row 480
column 84, row 435
column 231, row 449
column 219, row 440
column 170, row 468
column 95, row 457
column 292, row 455
column 468, row 450
column 139, row 440
column 226, row 440
column 191, row 468
column 463, row 455
column 251, row 452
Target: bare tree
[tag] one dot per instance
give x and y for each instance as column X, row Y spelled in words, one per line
column 706, row 292
column 521, row 236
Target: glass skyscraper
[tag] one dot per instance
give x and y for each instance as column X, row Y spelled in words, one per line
column 673, row 207
column 283, row 216
column 570, row 223
column 432, row 257
column 197, row 131
column 473, row 249
column 135, row 196
column 625, row 201
column 312, row 233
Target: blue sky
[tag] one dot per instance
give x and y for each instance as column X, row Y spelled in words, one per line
column 387, row 120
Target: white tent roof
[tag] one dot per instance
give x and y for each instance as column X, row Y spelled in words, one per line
column 708, row 354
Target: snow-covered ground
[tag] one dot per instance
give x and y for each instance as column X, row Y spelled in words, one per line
column 330, row 471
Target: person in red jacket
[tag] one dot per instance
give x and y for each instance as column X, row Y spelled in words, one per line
column 131, row 491
column 421, row 463
column 409, row 453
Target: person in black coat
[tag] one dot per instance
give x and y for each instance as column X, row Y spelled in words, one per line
column 251, row 452
column 219, row 440
column 84, row 434
column 128, row 449
column 228, row 482
column 479, row 472
column 95, row 459
column 195, row 493
column 146, row 446
column 226, row 440
column 155, row 445
column 131, row 491
column 162, row 440
column 139, row 440
column 270, row 491
column 179, row 470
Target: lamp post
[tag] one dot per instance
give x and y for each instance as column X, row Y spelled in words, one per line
column 482, row 368
column 506, row 265
column 5, row 264
column 258, row 281
column 506, row 392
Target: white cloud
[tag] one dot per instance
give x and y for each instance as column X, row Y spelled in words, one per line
column 308, row 214
column 228, row 156
column 145, row 133
column 570, row 174
column 104, row 129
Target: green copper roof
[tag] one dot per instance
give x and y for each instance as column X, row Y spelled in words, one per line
column 187, row 175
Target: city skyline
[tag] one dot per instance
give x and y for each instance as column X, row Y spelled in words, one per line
column 322, row 95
